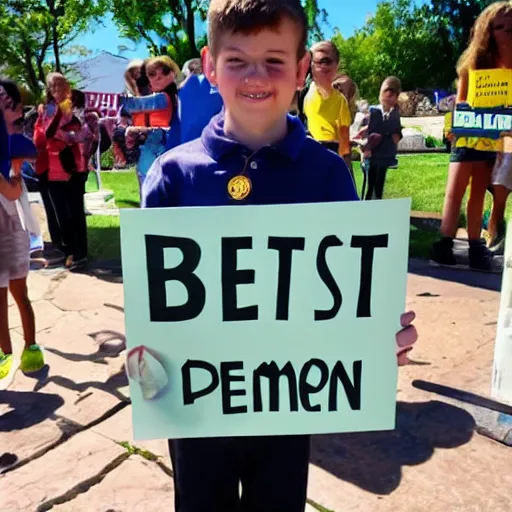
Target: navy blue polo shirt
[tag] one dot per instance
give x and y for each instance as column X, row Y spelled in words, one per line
column 295, row 170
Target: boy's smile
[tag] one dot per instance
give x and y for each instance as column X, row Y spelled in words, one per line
column 257, row 75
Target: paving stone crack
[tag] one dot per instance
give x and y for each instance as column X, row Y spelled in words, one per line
column 84, row 486
column 148, row 455
column 74, row 429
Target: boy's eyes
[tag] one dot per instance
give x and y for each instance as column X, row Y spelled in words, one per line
column 239, row 62
column 275, row 62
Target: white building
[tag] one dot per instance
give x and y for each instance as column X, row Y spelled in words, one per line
column 103, row 73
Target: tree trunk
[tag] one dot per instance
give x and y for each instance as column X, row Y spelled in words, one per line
column 32, row 81
column 56, row 51
column 191, row 28
column 55, row 33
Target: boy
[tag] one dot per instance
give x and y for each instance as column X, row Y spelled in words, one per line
column 384, row 132
column 251, row 153
column 326, row 109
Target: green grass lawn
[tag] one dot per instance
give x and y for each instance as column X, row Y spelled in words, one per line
column 422, row 177
column 123, row 183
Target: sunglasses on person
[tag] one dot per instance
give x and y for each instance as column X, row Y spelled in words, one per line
column 324, row 61
column 166, row 70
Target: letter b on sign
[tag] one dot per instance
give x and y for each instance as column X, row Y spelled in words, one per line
column 158, row 275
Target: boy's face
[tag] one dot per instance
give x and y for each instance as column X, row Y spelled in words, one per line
column 159, row 80
column 388, row 97
column 258, row 74
column 323, row 67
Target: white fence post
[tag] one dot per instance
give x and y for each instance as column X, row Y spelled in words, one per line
column 98, row 162
column 502, row 369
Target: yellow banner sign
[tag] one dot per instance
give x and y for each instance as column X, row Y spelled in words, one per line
column 490, row 88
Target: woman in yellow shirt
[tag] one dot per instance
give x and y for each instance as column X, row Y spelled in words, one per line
column 326, row 109
column 472, row 159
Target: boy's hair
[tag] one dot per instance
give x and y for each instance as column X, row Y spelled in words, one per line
column 327, row 47
column 392, row 83
column 165, row 63
column 251, row 16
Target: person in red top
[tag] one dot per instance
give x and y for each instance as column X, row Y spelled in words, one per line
column 57, row 136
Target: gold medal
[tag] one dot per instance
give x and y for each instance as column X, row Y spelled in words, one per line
column 239, row 187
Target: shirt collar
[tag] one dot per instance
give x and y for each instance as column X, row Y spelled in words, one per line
column 218, row 144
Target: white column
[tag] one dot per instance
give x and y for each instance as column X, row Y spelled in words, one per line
column 98, row 161
column 502, row 370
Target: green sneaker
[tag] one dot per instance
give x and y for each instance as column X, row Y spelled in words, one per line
column 5, row 364
column 32, row 359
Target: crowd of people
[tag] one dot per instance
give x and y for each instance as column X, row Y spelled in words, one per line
column 252, row 97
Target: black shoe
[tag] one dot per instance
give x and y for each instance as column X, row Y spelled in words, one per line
column 442, row 253
column 480, row 258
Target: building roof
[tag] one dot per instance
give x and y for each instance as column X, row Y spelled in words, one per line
column 102, row 73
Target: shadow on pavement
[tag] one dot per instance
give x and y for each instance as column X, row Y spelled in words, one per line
column 373, row 460
column 111, row 385
column 27, row 409
column 463, row 396
column 110, row 345
column 486, row 281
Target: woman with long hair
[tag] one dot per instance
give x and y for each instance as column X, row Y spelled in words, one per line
column 58, row 136
column 152, row 114
column 472, row 158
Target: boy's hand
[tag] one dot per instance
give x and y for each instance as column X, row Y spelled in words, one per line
column 10, row 189
column 406, row 337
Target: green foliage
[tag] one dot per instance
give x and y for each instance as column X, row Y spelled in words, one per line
column 398, row 40
column 168, row 27
column 433, row 142
column 455, row 19
column 107, row 159
column 34, row 31
column 418, row 43
column 316, row 18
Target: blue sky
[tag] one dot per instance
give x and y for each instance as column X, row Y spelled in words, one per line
column 347, row 16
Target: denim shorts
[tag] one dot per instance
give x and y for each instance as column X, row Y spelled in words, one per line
column 463, row 154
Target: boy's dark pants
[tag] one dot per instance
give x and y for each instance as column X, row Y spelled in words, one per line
column 273, row 471
column 376, row 179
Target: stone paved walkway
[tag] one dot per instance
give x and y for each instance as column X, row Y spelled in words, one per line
column 66, row 442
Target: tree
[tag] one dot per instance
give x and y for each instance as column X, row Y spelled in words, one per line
column 68, row 19
column 316, row 18
column 455, row 21
column 34, row 29
column 170, row 26
column 400, row 39
column 166, row 26
column 418, row 43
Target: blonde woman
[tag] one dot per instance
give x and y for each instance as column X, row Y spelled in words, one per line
column 473, row 158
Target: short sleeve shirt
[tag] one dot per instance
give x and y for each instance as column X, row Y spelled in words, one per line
column 326, row 115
